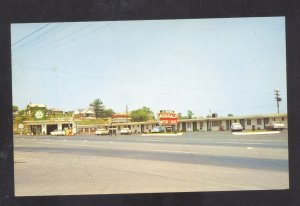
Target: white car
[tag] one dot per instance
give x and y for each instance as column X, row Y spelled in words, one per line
column 126, row 130
column 275, row 126
column 57, row 132
column 157, row 129
column 101, row 132
column 236, row 127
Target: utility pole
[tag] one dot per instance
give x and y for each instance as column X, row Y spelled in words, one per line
column 278, row 99
column 126, row 113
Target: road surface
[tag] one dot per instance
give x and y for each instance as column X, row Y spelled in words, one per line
column 195, row 161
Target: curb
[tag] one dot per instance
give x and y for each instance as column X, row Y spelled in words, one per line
column 161, row 134
column 255, row 133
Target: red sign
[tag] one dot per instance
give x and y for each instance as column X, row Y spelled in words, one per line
column 167, row 118
column 114, row 116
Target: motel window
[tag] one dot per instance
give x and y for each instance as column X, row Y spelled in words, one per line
column 146, row 126
column 119, row 128
column 266, row 120
column 282, row 118
column 216, row 123
column 248, row 121
column 258, row 121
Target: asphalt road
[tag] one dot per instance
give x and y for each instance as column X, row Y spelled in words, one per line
column 196, row 161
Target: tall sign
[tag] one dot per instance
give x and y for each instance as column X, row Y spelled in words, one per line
column 120, row 118
column 167, row 117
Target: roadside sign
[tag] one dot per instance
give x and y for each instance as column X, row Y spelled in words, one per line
column 167, row 118
column 21, row 126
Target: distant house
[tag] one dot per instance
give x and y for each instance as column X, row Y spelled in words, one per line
column 30, row 108
column 55, row 111
column 38, row 111
column 87, row 113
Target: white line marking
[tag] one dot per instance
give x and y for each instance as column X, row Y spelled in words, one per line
column 154, row 140
column 255, row 133
column 238, row 143
column 161, row 134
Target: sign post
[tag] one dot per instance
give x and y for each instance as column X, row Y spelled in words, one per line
column 21, row 127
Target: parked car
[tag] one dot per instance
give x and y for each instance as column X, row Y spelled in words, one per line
column 236, row 127
column 275, row 126
column 57, row 132
column 102, row 132
column 126, row 130
column 157, row 129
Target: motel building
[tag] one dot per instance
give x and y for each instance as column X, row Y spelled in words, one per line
column 205, row 124
column 249, row 122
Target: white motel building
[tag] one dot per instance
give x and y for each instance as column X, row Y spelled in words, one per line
column 249, row 122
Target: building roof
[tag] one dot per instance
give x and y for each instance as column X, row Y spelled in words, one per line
column 84, row 111
column 36, row 105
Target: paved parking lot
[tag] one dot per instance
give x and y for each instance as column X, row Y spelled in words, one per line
column 196, row 161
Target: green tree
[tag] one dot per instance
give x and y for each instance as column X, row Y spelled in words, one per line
column 98, row 107
column 179, row 116
column 107, row 113
column 15, row 108
column 190, row 114
column 230, row 115
column 141, row 115
column 21, row 116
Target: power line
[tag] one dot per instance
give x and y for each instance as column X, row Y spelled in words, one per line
column 39, row 50
column 36, row 52
column 30, row 34
column 37, row 39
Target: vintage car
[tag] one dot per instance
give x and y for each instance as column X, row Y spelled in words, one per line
column 236, row 127
column 57, row 132
column 157, row 129
column 126, row 130
column 101, row 132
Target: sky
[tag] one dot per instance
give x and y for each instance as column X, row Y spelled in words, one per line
column 223, row 66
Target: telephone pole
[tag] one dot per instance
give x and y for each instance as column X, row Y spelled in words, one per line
column 278, row 99
column 126, row 113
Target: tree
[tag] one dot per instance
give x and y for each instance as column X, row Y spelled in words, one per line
column 21, row 116
column 229, row 115
column 190, row 114
column 141, row 115
column 179, row 116
column 97, row 106
column 107, row 113
column 15, row 108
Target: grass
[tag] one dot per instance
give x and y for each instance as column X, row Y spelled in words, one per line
column 91, row 121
